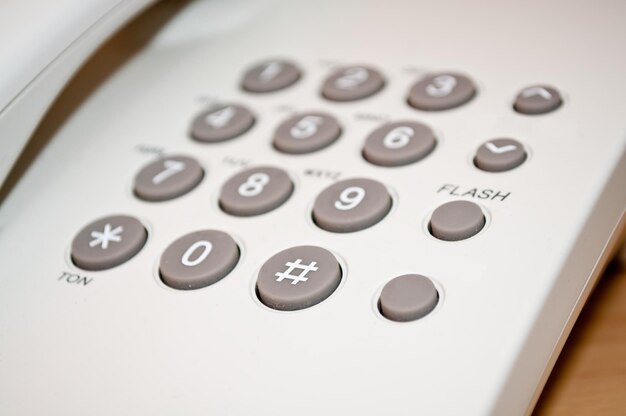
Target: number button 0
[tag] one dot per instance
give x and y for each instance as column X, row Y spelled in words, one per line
column 352, row 83
column 436, row 92
column 306, row 133
column 167, row 178
column 255, row 191
column 198, row 259
column 351, row 205
column 399, row 143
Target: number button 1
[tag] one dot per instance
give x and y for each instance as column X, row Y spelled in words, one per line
column 167, row 178
column 198, row 259
column 255, row 191
column 351, row 205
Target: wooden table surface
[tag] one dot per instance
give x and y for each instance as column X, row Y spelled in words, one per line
column 590, row 375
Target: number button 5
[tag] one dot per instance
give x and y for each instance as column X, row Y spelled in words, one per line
column 255, row 191
column 351, row 205
column 167, row 178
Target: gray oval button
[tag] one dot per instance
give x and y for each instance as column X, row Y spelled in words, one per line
column 306, row 133
column 221, row 123
column 167, row 178
column 198, row 259
column 441, row 91
column 457, row 220
column 407, row 298
column 270, row 76
column 108, row 242
column 352, row 83
column 351, row 205
column 537, row 99
column 399, row 143
column 298, row 278
column 255, row 191
column 499, row 155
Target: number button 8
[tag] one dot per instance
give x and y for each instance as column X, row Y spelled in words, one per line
column 351, row 205
column 255, row 191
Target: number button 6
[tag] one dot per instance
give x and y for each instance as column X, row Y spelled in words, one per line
column 351, row 205
column 255, row 191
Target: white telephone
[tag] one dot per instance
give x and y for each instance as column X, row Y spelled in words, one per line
column 280, row 207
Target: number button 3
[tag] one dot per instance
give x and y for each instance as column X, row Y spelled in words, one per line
column 351, row 205
column 198, row 259
column 255, row 191
column 167, row 178
column 443, row 91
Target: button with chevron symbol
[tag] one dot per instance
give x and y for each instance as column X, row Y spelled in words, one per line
column 499, row 155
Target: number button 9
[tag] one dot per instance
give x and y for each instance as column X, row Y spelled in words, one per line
column 351, row 205
column 255, row 191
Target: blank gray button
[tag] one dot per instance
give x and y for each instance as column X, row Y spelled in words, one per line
column 108, row 242
column 255, row 191
column 441, row 91
column 500, row 155
column 168, row 178
column 351, row 205
column 537, row 99
column 408, row 297
column 307, row 132
column 198, row 259
column 399, row 143
column 352, row 83
column 221, row 123
column 457, row 220
column 298, row 278
column 270, row 76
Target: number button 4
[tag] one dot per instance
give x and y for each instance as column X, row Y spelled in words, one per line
column 255, row 191
column 351, row 205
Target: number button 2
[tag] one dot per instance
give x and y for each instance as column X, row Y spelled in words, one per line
column 351, row 205
column 167, row 178
column 352, row 83
column 255, row 191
